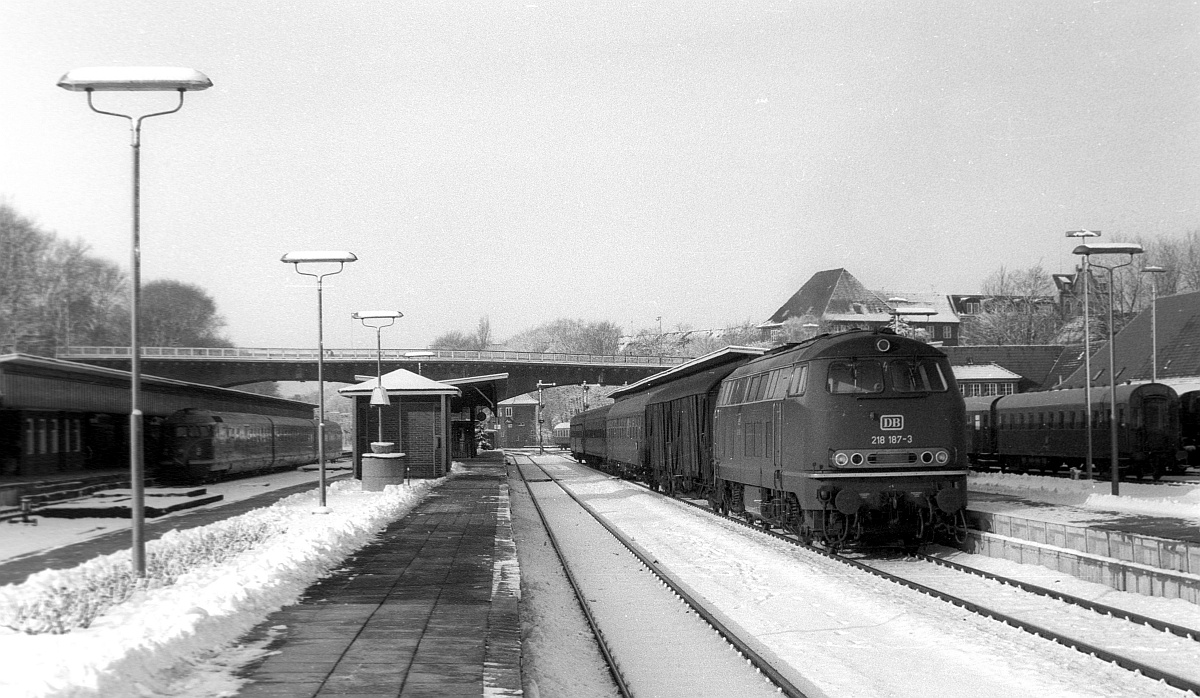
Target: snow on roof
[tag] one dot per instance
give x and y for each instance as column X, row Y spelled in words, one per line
column 402, row 382
column 979, row 372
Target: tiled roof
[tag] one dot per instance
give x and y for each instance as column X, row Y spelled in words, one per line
column 834, row 292
column 1032, row 362
column 1178, row 344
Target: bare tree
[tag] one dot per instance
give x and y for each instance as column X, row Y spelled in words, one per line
column 1019, row 309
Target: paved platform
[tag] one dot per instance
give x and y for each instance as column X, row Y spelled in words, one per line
column 1151, row 555
column 429, row 609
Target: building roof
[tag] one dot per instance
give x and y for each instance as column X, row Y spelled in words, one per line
column 943, row 311
column 1033, row 362
column 525, row 399
column 401, row 382
column 832, row 295
column 984, row 372
column 1178, row 329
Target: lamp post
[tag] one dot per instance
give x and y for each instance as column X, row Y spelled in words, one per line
column 1087, row 250
column 132, row 79
column 1153, row 271
column 418, row 355
column 339, row 258
column 379, row 396
column 1087, row 352
column 540, row 385
column 586, row 388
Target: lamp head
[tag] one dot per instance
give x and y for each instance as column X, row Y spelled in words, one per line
column 134, row 79
column 377, row 314
column 1153, row 269
column 1092, row 248
column 1083, row 233
column 320, row 256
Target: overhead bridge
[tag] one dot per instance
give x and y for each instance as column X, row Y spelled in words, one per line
column 231, row 367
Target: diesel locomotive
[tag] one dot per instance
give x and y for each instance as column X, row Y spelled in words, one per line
column 845, row 439
column 205, row 445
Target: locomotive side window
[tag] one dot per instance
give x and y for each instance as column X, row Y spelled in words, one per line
column 855, row 377
column 799, row 380
column 780, row 385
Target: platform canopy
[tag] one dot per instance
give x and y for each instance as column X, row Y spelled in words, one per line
column 399, row 383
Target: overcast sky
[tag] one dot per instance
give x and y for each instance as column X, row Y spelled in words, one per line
column 615, row 161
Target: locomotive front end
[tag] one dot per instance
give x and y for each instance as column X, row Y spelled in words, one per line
column 870, row 448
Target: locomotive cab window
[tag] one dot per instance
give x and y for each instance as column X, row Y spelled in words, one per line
column 855, row 377
column 918, row 376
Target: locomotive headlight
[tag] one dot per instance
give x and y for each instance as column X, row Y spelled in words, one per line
column 942, row 457
column 840, row 459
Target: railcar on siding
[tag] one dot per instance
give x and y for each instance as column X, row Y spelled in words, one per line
column 588, row 435
column 206, row 445
column 1046, row 431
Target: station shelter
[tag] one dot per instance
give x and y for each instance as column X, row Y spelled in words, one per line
column 416, row 417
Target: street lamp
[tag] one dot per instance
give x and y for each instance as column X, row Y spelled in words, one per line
column 540, row 385
column 379, row 396
column 1087, row 250
column 339, row 258
column 127, row 79
column 1152, row 271
column 1087, row 351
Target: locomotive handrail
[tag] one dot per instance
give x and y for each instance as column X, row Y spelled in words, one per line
column 407, row 355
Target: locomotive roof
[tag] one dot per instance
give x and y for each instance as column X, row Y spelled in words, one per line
column 852, row 343
column 721, row 357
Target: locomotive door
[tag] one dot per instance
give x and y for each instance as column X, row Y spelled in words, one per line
column 775, row 442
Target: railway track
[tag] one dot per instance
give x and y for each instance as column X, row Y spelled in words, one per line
column 1151, row 647
column 657, row 636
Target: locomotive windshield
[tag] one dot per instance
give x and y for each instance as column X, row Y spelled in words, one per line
column 903, row 376
column 855, row 377
column 916, row 376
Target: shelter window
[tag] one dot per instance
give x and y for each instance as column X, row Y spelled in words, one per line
column 855, row 377
column 30, row 439
column 54, row 435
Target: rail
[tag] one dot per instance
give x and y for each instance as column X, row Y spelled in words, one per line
column 410, row 355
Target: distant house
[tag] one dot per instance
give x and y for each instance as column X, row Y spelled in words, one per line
column 516, row 422
column 985, row 379
column 835, row 301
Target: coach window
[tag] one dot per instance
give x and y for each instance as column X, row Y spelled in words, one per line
column 30, row 439
column 54, row 432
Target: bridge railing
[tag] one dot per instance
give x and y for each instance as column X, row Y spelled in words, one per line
column 413, row 355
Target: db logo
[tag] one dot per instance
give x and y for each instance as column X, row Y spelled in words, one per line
column 891, row 422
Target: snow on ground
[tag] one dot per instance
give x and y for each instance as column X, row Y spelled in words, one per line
column 1174, row 498
column 162, row 641
column 179, row 640
column 21, row 540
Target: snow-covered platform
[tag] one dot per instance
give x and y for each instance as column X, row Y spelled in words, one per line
column 430, row 608
column 116, row 503
column 1146, row 553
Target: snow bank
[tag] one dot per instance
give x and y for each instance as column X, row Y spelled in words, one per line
column 1176, row 500
column 133, row 648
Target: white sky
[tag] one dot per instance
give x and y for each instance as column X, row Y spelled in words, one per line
column 607, row 161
